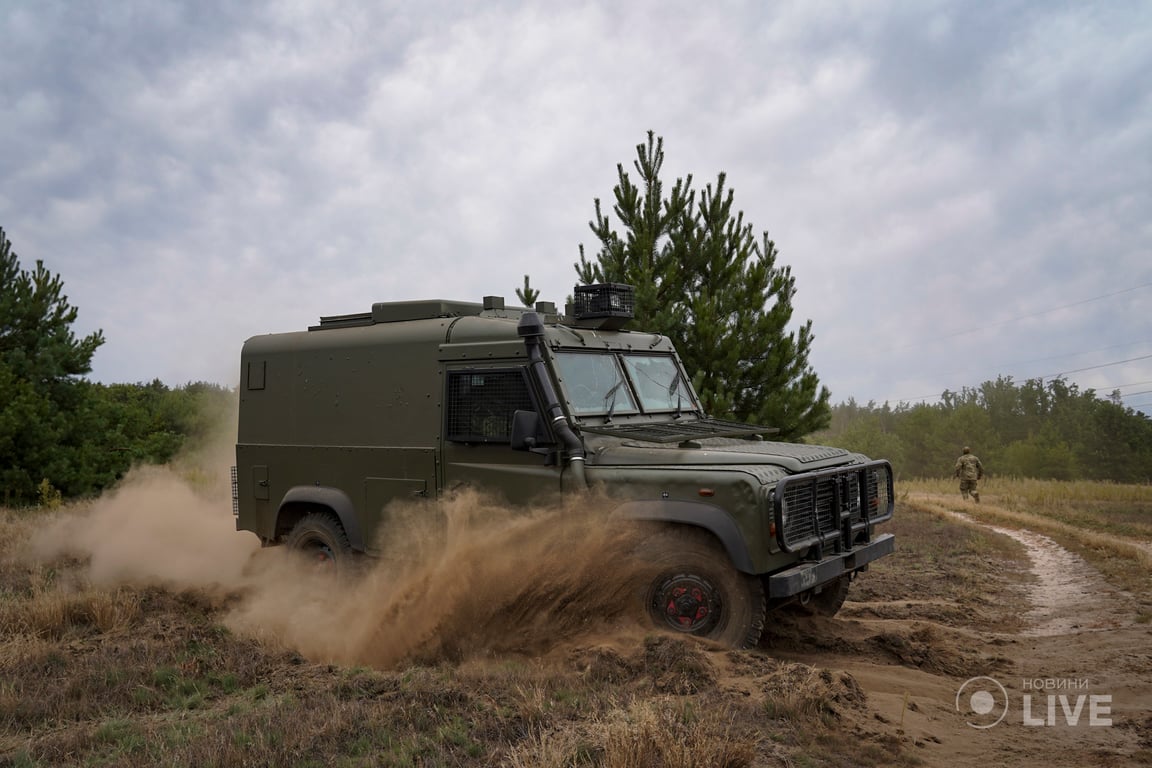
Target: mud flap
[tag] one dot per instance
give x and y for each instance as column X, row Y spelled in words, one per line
column 805, row 576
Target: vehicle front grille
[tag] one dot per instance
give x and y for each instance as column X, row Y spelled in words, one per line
column 831, row 506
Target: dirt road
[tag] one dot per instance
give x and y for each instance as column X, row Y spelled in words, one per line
column 1041, row 662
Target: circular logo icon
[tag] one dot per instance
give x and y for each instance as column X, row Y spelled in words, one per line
column 982, row 701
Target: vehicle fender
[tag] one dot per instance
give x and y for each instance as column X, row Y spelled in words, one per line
column 332, row 498
column 699, row 514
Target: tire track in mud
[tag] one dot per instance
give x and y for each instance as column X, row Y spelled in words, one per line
column 1076, row 626
column 1067, row 595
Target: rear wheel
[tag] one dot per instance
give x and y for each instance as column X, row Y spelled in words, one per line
column 321, row 539
column 690, row 586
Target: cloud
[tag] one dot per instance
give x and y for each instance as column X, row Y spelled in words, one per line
column 202, row 172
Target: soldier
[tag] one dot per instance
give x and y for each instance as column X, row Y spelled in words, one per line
column 969, row 470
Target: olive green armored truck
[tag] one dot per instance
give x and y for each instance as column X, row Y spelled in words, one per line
column 416, row 399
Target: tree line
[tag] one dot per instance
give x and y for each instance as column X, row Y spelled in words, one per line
column 61, row 435
column 1040, row 429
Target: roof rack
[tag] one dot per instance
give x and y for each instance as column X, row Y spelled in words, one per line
column 400, row 311
column 428, row 309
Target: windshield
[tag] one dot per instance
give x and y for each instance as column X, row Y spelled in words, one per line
column 596, row 384
column 659, row 383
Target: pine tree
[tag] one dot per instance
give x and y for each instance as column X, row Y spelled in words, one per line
column 527, row 295
column 703, row 279
column 40, row 360
column 36, row 338
column 644, row 258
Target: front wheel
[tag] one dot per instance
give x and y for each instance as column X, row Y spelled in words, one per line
column 690, row 586
column 322, row 540
column 829, row 600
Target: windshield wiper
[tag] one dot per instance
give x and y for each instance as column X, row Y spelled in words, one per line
column 612, row 394
column 675, row 387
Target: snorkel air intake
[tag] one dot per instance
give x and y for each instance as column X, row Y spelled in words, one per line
column 531, row 329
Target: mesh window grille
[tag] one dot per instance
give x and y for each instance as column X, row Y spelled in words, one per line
column 481, row 404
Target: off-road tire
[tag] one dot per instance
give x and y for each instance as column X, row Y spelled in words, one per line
column 830, row 599
column 688, row 584
column 320, row 538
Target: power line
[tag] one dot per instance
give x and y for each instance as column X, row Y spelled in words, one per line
column 1053, row 357
column 964, row 331
column 1093, row 367
column 1078, row 354
column 1049, row 376
column 1133, row 384
column 922, row 398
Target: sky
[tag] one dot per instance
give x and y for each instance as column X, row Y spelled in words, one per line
column 961, row 190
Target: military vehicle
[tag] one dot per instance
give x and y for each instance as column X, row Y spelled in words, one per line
column 416, row 398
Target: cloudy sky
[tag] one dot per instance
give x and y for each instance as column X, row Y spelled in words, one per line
column 962, row 190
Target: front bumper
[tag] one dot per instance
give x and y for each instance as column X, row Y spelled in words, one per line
column 805, row 576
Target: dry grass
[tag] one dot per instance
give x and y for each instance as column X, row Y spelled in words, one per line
column 111, row 674
column 56, row 613
column 1044, row 495
column 1109, row 525
column 647, row 733
column 642, row 733
column 803, row 694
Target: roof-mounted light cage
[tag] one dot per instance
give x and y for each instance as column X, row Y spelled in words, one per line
column 604, row 300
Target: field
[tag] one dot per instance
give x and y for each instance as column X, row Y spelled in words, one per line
column 142, row 629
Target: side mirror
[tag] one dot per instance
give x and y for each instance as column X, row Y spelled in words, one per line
column 525, row 430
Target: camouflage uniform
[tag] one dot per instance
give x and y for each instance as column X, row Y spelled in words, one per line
column 969, row 470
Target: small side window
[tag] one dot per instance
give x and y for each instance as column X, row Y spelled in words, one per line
column 256, row 370
column 481, row 404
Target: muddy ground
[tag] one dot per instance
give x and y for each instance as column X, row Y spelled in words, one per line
column 142, row 630
column 1027, row 618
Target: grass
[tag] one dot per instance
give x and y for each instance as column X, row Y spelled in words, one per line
column 138, row 676
column 55, row 612
column 1109, row 525
column 115, row 675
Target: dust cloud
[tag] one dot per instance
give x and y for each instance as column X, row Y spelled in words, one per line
column 463, row 578
column 458, row 578
column 154, row 528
